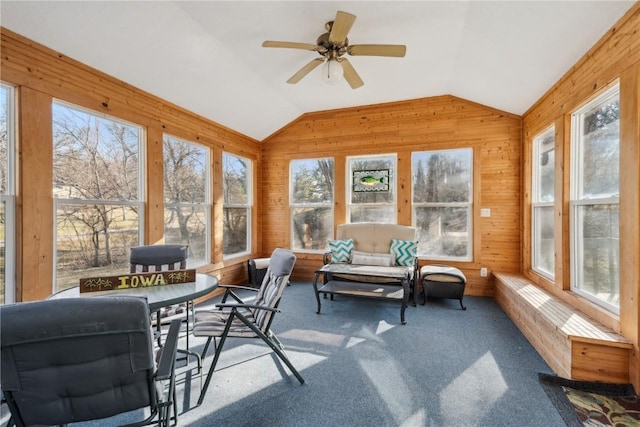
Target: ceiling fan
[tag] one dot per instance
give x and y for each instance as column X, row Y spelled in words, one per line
column 332, row 45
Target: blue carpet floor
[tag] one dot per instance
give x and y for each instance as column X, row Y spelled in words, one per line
column 445, row 367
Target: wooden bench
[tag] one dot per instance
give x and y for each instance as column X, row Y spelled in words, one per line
column 574, row 345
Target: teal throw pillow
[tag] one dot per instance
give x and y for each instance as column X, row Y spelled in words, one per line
column 341, row 250
column 405, row 251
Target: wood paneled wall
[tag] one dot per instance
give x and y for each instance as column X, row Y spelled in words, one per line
column 615, row 57
column 40, row 75
column 436, row 123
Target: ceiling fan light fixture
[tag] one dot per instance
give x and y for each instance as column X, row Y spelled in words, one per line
column 332, row 72
column 331, row 46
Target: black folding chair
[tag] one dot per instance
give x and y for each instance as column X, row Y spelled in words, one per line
column 80, row 359
column 151, row 258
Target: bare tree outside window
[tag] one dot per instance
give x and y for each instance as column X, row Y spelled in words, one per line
column 4, row 139
column 543, row 187
column 4, row 170
column 311, row 203
column 595, row 199
column 96, row 179
column 236, row 187
column 7, row 195
column 442, row 203
column 187, row 206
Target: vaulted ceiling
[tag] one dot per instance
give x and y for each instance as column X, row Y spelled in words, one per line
column 206, row 56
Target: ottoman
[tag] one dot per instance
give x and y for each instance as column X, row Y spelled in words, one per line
column 442, row 281
column 257, row 269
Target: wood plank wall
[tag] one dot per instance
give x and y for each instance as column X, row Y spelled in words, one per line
column 437, row 123
column 616, row 57
column 40, row 75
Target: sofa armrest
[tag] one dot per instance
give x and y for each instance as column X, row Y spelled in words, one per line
column 326, row 258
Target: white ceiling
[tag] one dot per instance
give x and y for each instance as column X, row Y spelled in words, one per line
column 206, row 56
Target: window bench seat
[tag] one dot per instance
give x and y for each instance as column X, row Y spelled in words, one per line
column 574, row 345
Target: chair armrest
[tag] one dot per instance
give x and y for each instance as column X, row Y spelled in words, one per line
column 259, row 307
column 168, row 352
column 229, row 291
column 231, row 287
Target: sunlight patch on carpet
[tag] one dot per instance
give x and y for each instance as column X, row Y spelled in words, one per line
column 387, row 378
column 418, row 418
column 239, row 361
column 353, row 341
column 313, row 336
column 482, row 385
column 384, row 327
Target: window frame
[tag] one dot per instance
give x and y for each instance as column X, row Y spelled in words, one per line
column 141, row 183
column 469, row 205
column 248, row 206
column 536, row 203
column 296, row 205
column 393, row 184
column 8, row 198
column 205, row 205
column 577, row 201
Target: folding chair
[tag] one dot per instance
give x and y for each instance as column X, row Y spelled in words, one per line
column 150, row 258
column 81, row 359
column 241, row 320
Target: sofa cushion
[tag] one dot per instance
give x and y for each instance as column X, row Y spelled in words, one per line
column 370, row 258
column 404, row 251
column 374, row 237
column 341, row 250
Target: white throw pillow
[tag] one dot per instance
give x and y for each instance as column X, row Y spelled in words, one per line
column 369, row 258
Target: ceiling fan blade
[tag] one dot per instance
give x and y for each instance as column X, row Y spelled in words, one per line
column 341, row 26
column 397, row 50
column 305, row 70
column 350, row 74
column 290, row 45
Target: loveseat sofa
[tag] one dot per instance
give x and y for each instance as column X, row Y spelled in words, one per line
column 372, row 243
column 372, row 260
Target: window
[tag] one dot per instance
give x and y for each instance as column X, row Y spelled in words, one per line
column 595, row 148
column 236, row 186
column 542, row 217
column 442, row 203
column 187, row 204
column 7, row 194
column 311, row 204
column 371, row 189
column 98, row 193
